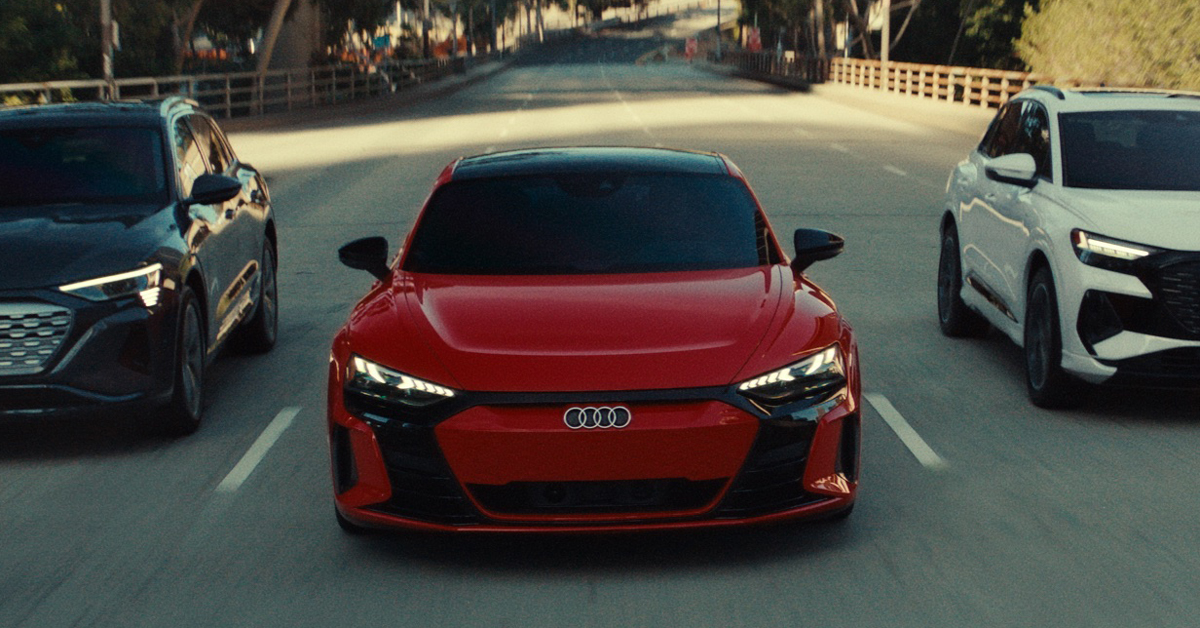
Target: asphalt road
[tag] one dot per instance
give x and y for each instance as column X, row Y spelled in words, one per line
column 1007, row 515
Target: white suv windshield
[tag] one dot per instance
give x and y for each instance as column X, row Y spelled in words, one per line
column 1131, row 150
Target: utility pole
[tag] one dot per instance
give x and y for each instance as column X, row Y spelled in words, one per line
column 425, row 24
column 718, row 30
column 106, row 48
column 885, row 41
column 492, row 39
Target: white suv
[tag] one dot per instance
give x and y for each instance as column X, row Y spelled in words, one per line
column 1074, row 228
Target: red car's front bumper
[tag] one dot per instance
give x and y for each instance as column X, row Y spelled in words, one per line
column 510, row 463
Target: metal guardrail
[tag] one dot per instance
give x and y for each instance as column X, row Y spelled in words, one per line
column 247, row 93
column 239, row 94
column 979, row 87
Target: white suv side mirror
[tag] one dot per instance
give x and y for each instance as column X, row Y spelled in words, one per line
column 1016, row 168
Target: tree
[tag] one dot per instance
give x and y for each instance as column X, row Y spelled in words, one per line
column 1115, row 42
column 38, row 39
column 365, row 15
column 989, row 31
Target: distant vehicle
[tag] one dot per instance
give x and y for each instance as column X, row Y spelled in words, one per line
column 591, row 339
column 133, row 246
column 1074, row 228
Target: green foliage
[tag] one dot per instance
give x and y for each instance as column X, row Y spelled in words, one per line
column 38, row 39
column 979, row 33
column 1116, row 42
column 234, row 20
column 989, row 34
column 931, row 33
column 45, row 40
column 365, row 15
column 776, row 18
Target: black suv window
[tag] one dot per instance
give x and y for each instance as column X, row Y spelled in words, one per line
column 216, row 151
column 188, row 158
column 1131, row 150
column 41, row 166
column 1004, row 136
column 588, row 223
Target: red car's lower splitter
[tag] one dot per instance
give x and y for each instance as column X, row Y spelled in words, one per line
column 517, row 468
column 825, row 507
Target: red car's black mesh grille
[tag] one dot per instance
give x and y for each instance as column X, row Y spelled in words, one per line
column 423, row 487
column 772, row 478
column 584, row 498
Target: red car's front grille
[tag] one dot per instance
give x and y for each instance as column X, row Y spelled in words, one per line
column 772, row 478
column 597, row 497
column 422, row 486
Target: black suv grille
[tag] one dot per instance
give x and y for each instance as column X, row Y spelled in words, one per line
column 30, row 335
column 1179, row 287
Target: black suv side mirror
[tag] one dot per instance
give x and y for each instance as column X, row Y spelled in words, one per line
column 814, row 245
column 369, row 254
column 213, row 188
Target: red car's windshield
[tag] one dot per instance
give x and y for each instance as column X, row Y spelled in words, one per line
column 589, row 223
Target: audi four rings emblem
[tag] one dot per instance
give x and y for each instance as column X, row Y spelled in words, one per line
column 597, row 418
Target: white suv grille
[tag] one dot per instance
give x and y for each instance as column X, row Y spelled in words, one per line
column 30, row 335
column 1180, row 287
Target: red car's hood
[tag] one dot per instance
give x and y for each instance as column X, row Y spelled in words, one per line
column 593, row 332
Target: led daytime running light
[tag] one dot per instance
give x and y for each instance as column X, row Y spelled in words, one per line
column 145, row 282
column 810, row 366
column 399, row 381
column 1108, row 248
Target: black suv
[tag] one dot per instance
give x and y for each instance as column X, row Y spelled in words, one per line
column 133, row 246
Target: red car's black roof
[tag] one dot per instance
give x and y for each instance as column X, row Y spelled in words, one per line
column 537, row 161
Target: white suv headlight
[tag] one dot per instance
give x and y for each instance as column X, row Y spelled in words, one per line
column 1108, row 253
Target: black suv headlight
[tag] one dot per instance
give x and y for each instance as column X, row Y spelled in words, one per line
column 1109, row 253
column 146, row 282
column 814, row 378
column 382, row 384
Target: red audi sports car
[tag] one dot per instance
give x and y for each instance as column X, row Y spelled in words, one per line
column 592, row 339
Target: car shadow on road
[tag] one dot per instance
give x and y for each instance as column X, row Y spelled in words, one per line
column 1121, row 404
column 616, row 553
column 101, row 432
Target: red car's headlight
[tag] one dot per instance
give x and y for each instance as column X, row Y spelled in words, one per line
column 383, row 384
column 813, row 378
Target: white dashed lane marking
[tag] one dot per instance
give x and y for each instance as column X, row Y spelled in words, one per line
column 258, row 450
column 911, row 439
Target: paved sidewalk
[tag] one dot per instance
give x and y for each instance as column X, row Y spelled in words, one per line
column 955, row 117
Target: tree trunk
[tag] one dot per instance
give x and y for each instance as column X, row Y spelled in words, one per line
column 819, row 27
column 182, row 30
column 864, row 29
column 912, row 8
